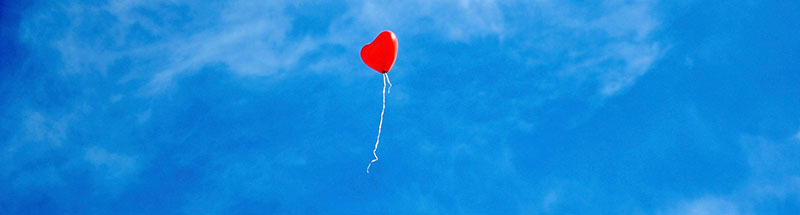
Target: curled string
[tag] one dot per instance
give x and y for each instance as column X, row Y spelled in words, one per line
column 374, row 151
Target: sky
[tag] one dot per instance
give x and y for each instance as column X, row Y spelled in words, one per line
column 498, row 107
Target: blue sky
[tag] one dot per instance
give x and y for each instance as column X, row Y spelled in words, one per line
column 498, row 107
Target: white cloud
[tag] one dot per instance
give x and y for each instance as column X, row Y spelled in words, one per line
column 550, row 200
column 774, row 176
column 112, row 166
column 786, row 188
column 248, row 37
column 40, row 129
column 458, row 20
column 773, row 166
column 797, row 136
column 637, row 57
column 616, row 45
column 709, row 205
column 39, row 136
column 770, row 158
column 611, row 44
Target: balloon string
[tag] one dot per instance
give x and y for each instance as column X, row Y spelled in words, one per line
column 374, row 151
column 390, row 83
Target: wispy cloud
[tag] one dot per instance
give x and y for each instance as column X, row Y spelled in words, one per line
column 458, row 20
column 709, row 205
column 41, row 129
column 112, row 169
column 774, row 177
column 252, row 38
column 39, row 136
column 797, row 136
column 614, row 42
column 141, row 49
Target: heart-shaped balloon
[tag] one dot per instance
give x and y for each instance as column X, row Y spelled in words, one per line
column 381, row 52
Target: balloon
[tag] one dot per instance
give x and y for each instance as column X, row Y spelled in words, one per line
column 381, row 52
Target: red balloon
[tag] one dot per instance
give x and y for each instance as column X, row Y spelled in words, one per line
column 381, row 52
